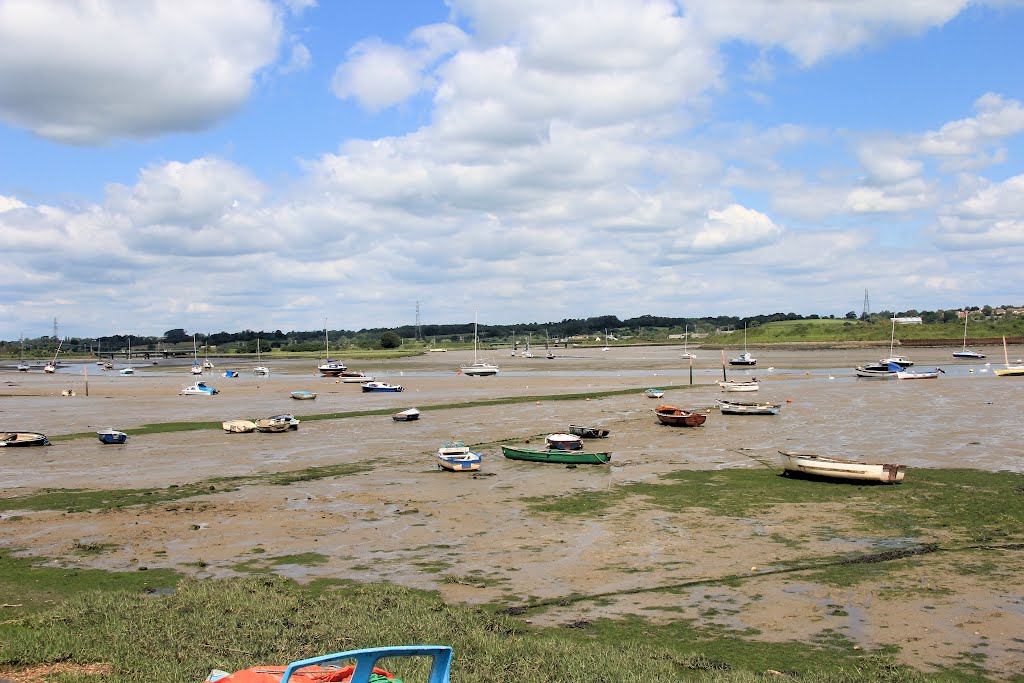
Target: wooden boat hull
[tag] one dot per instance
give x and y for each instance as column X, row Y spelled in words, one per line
column 22, row 439
column 287, row 417
column 744, row 408
column 811, row 464
column 588, row 432
column 269, row 424
column 1012, row 371
column 911, row 374
column 677, row 417
column 303, row 395
column 556, row 456
column 739, row 386
column 406, row 415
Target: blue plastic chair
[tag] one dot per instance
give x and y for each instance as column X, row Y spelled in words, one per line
column 366, row 659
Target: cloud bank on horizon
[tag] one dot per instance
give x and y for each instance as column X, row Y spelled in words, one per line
column 250, row 164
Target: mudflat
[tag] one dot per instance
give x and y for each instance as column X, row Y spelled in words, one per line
column 476, row 539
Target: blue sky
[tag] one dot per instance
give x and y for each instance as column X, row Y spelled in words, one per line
column 250, row 164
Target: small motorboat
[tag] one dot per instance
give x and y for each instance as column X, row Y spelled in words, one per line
column 303, row 395
column 331, row 368
column 231, row 373
column 335, row 667
column 13, row 439
column 743, row 359
column 456, row 456
column 877, row 370
column 199, row 389
column 239, row 426
column 564, row 442
column 407, row 415
column 112, row 436
column 382, row 386
column 654, row 393
column 677, row 417
column 588, row 432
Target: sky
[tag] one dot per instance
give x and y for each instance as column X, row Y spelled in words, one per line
column 286, row 164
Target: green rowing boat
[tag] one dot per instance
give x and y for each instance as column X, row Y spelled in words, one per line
column 556, row 455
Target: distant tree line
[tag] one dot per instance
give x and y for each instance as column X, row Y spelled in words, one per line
column 245, row 341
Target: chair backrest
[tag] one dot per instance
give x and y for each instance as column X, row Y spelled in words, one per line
column 367, row 658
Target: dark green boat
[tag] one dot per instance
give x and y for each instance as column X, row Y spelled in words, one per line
column 556, row 455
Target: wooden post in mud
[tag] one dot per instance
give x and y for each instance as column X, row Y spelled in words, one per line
column 86, row 368
column 691, row 371
column 724, row 378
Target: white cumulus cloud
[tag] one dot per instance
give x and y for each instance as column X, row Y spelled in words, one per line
column 89, row 71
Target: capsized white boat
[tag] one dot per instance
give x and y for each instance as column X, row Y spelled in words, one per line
column 840, row 468
column 407, row 415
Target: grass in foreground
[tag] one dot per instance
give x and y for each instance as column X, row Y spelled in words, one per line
column 233, row 624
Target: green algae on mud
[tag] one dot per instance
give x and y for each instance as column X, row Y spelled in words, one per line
column 80, row 500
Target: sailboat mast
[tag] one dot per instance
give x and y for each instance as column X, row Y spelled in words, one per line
column 965, row 329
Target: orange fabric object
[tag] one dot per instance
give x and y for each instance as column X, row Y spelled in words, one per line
column 272, row 674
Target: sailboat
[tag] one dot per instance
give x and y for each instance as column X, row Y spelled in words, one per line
column 207, row 365
column 197, row 369
column 686, row 353
column 744, row 358
column 128, row 370
column 547, row 341
column 51, row 367
column 23, row 365
column 605, row 340
column 330, row 368
column 479, row 368
column 513, row 354
column 259, row 369
column 1009, row 370
column 965, row 353
column 526, row 352
column 898, row 360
